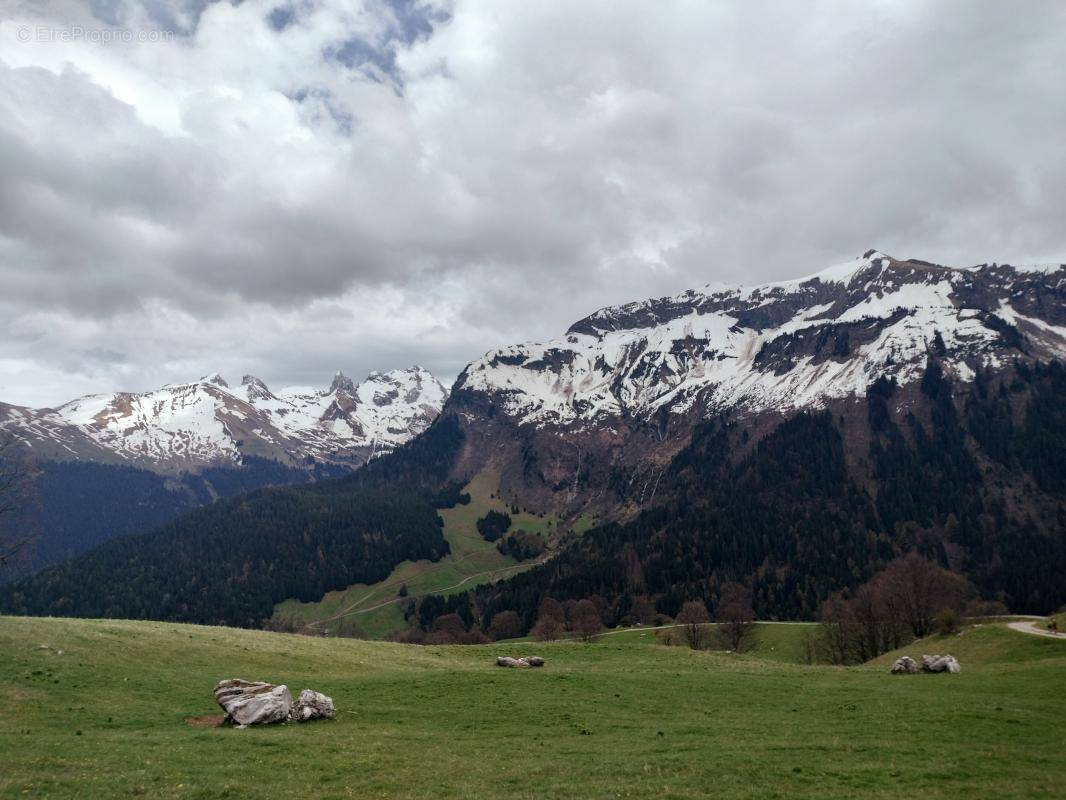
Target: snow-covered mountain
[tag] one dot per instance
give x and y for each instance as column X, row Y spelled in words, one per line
column 211, row 422
column 776, row 347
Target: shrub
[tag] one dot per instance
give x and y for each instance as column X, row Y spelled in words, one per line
column 947, row 621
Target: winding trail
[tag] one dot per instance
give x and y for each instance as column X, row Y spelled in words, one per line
column 1030, row 626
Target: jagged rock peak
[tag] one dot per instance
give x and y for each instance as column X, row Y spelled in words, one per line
column 255, row 388
column 216, row 379
column 342, row 382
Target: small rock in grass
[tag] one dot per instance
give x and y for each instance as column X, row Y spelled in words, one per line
column 905, row 665
column 940, row 664
column 525, row 661
column 312, row 705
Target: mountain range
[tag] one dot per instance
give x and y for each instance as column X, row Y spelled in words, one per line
column 793, row 436
column 210, row 423
column 111, row 464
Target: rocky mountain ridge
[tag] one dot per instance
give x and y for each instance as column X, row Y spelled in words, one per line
column 779, row 346
column 209, row 422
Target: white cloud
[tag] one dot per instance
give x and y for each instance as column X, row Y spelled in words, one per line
column 227, row 193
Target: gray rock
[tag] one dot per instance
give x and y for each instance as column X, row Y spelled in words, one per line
column 940, row 664
column 525, row 661
column 253, row 702
column 905, row 665
column 312, row 705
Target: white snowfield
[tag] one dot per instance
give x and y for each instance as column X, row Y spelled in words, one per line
column 707, row 346
column 208, row 421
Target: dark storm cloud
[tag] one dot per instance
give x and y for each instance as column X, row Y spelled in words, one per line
column 489, row 172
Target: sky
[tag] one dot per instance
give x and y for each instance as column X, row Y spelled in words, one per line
column 291, row 187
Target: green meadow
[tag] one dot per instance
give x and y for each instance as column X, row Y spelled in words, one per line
column 374, row 611
column 98, row 709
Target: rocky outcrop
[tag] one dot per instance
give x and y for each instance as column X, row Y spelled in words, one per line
column 253, row 702
column 312, row 705
column 945, row 663
column 905, row 665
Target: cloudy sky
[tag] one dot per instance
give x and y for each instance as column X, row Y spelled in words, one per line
column 289, row 187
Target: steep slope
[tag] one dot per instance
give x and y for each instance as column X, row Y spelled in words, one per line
column 208, row 422
column 600, row 411
column 973, row 477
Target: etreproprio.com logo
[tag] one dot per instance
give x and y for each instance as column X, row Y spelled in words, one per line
column 79, row 33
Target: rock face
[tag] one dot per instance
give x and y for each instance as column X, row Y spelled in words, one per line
column 945, row 663
column 905, row 666
column 312, row 705
column 253, row 702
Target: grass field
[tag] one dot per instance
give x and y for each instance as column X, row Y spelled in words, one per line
column 374, row 610
column 95, row 709
column 772, row 641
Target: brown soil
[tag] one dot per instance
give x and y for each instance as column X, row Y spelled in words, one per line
column 209, row 721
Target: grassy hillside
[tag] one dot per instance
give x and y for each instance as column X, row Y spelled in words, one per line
column 374, row 610
column 772, row 641
column 986, row 645
column 95, row 709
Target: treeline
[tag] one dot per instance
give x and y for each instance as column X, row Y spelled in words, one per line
column 74, row 506
column 230, row 562
column 973, row 482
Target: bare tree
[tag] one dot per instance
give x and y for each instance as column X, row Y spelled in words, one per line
column 585, row 621
column 914, row 590
column 551, row 618
column 838, row 630
column 736, row 617
column 14, row 497
column 505, row 625
column 694, row 619
column 899, row 604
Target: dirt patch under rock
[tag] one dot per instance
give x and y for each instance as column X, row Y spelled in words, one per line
column 209, row 721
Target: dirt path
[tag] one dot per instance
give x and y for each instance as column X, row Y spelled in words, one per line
column 1030, row 626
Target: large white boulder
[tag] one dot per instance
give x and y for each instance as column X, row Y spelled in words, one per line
column 253, row 702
